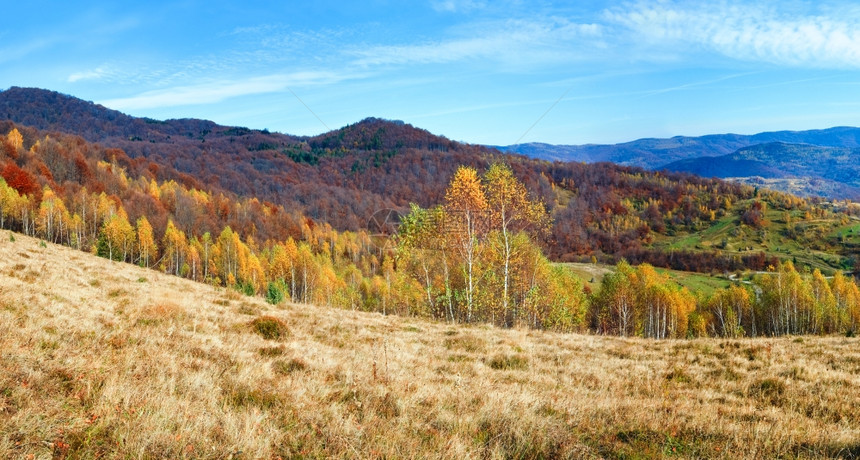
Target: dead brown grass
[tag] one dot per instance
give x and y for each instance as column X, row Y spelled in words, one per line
column 96, row 363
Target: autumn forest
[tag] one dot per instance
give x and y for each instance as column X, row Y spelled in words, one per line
column 482, row 237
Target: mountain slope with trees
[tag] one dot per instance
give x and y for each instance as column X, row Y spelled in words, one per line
column 470, row 258
column 343, row 177
column 65, row 190
column 473, row 255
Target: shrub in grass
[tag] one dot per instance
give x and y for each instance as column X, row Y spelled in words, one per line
column 239, row 394
column 248, row 309
column 769, row 390
column 158, row 313
column 285, row 367
column 270, row 328
column 509, row 362
column 466, row 342
column 678, row 375
column 272, row 351
column 245, row 287
column 274, row 293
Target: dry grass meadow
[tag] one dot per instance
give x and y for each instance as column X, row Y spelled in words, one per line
column 105, row 360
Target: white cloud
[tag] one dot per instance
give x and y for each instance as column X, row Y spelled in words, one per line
column 825, row 39
column 212, row 92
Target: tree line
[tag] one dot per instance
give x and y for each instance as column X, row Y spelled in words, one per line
column 638, row 301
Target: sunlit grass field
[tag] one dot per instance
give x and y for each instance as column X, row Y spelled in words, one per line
column 105, row 360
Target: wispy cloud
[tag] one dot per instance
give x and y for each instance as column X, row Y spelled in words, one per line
column 229, row 65
column 98, row 73
column 254, row 30
column 694, row 84
column 473, row 108
column 212, row 92
column 41, row 38
column 519, row 42
column 747, row 31
column 456, row 6
column 20, row 50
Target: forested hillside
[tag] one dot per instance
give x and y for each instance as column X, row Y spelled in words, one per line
column 288, row 218
column 473, row 255
column 67, row 191
column 343, row 177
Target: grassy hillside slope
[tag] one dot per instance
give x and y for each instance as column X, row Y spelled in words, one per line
column 105, row 359
column 826, row 242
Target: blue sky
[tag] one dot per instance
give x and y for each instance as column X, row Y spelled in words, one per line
column 477, row 71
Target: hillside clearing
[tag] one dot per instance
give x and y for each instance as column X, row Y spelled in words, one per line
column 592, row 275
column 106, row 359
column 822, row 243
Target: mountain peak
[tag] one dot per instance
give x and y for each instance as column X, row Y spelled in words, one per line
column 380, row 134
column 375, row 120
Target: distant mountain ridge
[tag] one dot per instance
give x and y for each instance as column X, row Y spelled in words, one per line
column 779, row 160
column 827, row 161
column 654, row 153
column 830, row 171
